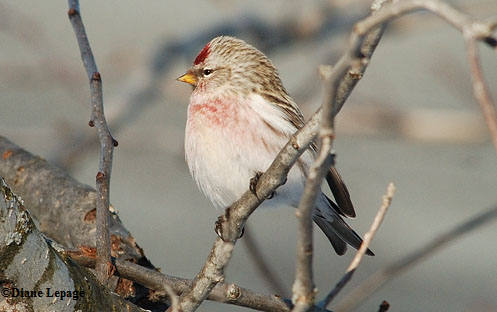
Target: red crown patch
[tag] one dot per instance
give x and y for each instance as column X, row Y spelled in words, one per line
column 202, row 55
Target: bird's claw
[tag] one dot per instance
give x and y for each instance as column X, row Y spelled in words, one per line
column 219, row 226
column 253, row 183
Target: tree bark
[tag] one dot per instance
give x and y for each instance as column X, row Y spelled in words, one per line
column 35, row 276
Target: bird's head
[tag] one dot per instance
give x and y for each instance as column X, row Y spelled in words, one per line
column 231, row 65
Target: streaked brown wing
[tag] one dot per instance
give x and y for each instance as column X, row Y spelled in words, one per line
column 288, row 107
column 335, row 182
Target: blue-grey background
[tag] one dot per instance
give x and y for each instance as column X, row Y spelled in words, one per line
column 411, row 120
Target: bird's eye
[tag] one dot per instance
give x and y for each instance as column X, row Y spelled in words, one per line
column 207, row 72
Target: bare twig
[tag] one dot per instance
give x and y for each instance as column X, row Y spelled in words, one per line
column 152, row 279
column 368, row 237
column 378, row 279
column 471, row 29
column 258, row 258
column 303, row 287
column 480, row 89
column 107, row 143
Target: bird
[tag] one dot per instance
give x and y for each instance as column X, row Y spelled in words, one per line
column 239, row 117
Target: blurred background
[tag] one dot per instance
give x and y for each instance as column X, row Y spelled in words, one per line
column 411, row 120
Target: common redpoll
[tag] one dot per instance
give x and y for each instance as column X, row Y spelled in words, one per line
column 239, row 118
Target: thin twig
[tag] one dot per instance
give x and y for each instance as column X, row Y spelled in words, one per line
column 378, row 279
column 107, row 143
column 368, row 237
column 378, row 219
column 303, row 288
column 480, row 89
column 258, row 258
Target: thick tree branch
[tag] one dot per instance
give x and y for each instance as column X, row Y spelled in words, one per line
column 107, row 143
column 31, row 262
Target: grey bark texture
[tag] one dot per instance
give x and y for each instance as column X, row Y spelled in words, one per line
column 32, row 263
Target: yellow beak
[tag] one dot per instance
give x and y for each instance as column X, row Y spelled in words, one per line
column 189, row 77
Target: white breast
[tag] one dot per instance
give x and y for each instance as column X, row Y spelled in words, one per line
column 228, row 141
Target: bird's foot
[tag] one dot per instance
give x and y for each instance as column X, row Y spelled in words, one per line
column 223, row 229
column 253, row 185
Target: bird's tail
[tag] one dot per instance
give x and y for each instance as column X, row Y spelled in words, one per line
column 334, row 227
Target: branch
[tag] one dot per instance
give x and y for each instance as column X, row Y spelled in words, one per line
column 378, row 279
column 225, row 293
column 232, row 222
column 368, row 237
column 471, row 29
column 480, row 89
column 107, row 143
column 303, row 287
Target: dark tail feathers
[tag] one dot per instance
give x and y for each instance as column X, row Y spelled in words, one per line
column 339, row 233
